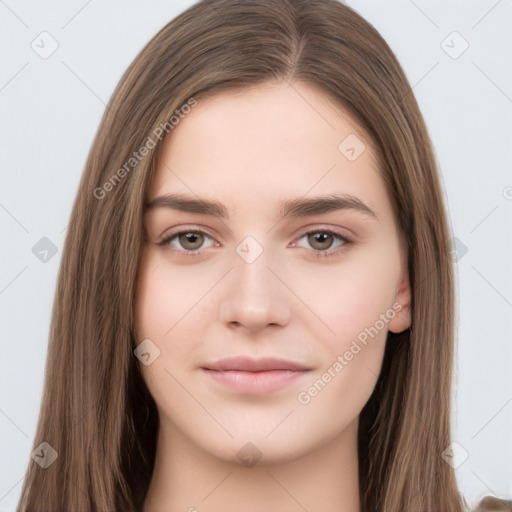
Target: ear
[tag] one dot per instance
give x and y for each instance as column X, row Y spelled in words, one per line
column 402, row 304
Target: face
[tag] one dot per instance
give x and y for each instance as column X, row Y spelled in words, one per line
column 267, row 313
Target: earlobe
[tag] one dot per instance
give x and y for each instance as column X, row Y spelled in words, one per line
column 402, row 307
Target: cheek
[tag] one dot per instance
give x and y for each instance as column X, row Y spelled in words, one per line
column 165, row 299
column 349, row 298
column 170, row 312
column 165, row 315
column 357, row 308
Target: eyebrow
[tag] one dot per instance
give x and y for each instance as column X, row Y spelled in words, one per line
column 300, row 207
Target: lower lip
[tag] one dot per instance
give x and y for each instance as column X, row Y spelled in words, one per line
column 255, row 382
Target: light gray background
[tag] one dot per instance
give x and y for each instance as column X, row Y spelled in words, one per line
column 50, row 110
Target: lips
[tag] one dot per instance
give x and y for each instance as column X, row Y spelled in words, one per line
column 255, row 376
column 246, row 364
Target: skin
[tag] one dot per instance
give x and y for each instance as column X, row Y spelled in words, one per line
column 250, row 150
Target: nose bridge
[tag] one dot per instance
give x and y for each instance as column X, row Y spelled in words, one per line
column 254, row 297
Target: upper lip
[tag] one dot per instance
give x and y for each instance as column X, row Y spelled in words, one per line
column 248, row 364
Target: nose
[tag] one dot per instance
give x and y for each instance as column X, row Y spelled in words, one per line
column 254, row 297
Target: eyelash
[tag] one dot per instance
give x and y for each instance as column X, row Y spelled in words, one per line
column 318, row 254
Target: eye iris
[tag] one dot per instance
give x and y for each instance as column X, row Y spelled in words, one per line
column 320, row 238
column 191, row 238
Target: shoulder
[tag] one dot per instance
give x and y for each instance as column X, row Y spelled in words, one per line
column 492, row 504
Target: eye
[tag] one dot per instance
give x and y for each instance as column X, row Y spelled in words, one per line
column 323, row 239
column 190, row 241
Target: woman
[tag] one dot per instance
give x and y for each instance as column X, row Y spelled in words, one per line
column 256, row 369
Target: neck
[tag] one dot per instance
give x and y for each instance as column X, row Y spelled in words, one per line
column 188, row 479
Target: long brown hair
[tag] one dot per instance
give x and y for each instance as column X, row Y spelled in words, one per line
column 96, row 411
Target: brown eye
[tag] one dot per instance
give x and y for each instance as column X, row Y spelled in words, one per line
column 187, row 242
column 324, row 243
column 191, row 241
column 320, row 240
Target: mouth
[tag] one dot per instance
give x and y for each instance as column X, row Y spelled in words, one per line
column 255, row 376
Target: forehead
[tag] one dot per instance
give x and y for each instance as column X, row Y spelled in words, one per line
column 267, row 143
